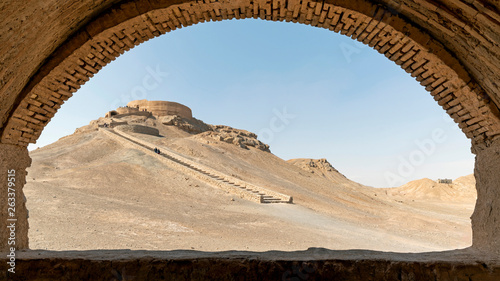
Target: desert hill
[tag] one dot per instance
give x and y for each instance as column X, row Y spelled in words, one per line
column 96, row 189
column 320, row 167
column 462, row 188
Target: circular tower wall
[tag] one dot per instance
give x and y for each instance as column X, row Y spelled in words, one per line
column 126, row 110
column 162, row 108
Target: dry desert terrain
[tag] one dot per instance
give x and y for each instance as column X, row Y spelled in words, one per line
column 91, row 191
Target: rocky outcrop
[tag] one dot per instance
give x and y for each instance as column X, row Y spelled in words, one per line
column 241, row 138
column 320, row 167
column 190, row 125
column 313, row 165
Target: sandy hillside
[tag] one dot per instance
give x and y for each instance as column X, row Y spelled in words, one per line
column 91, row 191
column 462, row 189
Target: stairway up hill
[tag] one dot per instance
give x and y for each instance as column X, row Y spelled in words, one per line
column 228, row 183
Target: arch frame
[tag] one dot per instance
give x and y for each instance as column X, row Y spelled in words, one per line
column 129, row 24
column 385, row 28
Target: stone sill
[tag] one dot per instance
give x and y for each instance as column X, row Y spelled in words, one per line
column 312, row 264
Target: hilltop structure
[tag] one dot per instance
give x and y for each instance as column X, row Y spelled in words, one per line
column 155, row 108
column 447, row 181
column 154, row 113
column 162, row 108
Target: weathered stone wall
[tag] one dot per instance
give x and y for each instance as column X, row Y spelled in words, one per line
column 13, row 158
column 139, row 129
column 130, row 113
column 486, row 216
column 162, row 108
column 48, row 49
column 126, row 110
column 312, row 264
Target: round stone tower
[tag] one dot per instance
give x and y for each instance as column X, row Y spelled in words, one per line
column 162, row 108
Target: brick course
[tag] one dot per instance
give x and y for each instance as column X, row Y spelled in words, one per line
column 108, row 41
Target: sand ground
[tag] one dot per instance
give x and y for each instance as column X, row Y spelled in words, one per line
column 87, row 191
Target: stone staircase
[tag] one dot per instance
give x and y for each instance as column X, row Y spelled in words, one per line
column 173, row 159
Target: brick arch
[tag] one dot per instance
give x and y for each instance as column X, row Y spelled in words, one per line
column 128, row 25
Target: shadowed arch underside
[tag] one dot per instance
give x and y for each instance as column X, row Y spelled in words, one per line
column 128, row 25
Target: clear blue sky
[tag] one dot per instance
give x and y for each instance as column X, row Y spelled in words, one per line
column 308, row 93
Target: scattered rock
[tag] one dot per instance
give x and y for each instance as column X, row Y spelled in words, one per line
column 190, row 125
column 318, row 167
column 241, row 138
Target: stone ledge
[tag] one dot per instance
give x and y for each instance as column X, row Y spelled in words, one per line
column 312, row 264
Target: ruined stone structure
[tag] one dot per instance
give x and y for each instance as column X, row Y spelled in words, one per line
column 122, row 110
column 162, row 108
column 49, row 48
column 126, row 111
column 111, row 113
column 447, row 181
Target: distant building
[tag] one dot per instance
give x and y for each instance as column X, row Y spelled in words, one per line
column 161, row 108
column 448, row 181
